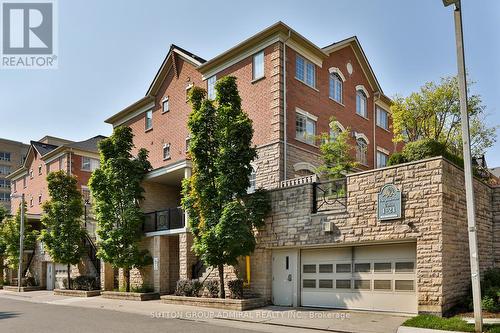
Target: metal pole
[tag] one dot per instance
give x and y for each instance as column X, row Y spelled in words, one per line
column 469, row 186
column 21, row 246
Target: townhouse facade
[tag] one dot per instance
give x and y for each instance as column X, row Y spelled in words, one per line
column 46, row 155
column 292, row 90
column 12, row 154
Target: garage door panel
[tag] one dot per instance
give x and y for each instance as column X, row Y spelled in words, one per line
column 379, row 278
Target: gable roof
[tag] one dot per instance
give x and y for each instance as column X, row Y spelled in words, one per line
column 47, row 150
column 363, row 61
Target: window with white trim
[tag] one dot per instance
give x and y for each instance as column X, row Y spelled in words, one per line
column 382, row 118
column 5, row 183
column 382, row 159
column 336, row 87
column 305, row 128
column 362, row 151
column 188, row 142
column 258, row 65
column 305, row 71
column 361, row 103
column 148, row 123
column 4, row 156
column 211, row 87
column 39, row 170
column 164, row 105
column 31, row 202
column 166, row 151
column 4, row 196
column 4, row 169
column 31, row 174
column 39, row 199
column 89, row 164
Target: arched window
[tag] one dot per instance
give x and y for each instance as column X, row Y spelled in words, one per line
column 362, row 151
column 361, row 107
column 336, row 87
column 303, row 169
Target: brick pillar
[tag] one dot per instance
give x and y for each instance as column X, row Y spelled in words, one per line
column 161, row 274
column 186, row 256
column 107, row 276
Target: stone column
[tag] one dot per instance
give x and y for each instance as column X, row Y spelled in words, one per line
column 107, row 276
column 186, row 256
column 187, row 174
column 161, row 274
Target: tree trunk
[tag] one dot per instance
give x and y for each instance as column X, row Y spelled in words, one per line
column 69, row 277
column 221, row 279
column 126, row 275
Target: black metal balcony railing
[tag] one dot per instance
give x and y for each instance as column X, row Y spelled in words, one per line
column 330, row 195
column 167, row 219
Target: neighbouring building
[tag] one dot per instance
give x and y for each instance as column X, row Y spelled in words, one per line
column 47, row 155
column 323, row 244
column 12, row 154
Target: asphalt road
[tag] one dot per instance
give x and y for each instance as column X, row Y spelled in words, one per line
column 28, row 317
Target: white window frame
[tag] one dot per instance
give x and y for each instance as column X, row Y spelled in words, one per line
column 166, row 146
column 211, row 87
column 381, row 151
column 307, row 65
column 253, row 181
column 148, row 120
column 309, row 118
column 92, row 164
column 380, row 111
column 361, row 95
column 164, row 102
column 335, row 80
column 258, row 74
column 362, row 156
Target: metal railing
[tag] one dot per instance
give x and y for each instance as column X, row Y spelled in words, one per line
column 330, row 195
column 167, row 219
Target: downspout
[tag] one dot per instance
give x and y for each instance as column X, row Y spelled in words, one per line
column 285, row 136
column 376, row 96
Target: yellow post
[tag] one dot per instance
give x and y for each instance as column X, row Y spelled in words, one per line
column 247, row 259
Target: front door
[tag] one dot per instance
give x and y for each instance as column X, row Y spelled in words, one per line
column 284, row 277
column 50, row 276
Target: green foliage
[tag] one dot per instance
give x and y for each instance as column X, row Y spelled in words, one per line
column 434, row 113
column 190, row 288
column 212, row 287
column 396, row 158
column 236, row 288
column 446, row 324
column 3, row 215
column 336, row 153
column 63, row 233
column 116, row 190
column 143, row 289
column 9, row 237
column 221, row 214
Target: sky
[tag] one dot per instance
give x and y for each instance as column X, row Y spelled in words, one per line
column 109, row 52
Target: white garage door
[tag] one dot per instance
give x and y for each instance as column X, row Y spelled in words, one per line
column 381, row 278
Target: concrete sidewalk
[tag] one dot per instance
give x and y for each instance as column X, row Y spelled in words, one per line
column 268, row 319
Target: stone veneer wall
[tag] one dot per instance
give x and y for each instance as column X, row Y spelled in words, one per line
column 427, row 197
column 267, row 165
column 455, row 233
column 496, row 224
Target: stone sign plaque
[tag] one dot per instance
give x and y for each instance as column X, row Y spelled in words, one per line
column 389, row 203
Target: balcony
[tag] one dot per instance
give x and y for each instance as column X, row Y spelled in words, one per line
column 164, row 220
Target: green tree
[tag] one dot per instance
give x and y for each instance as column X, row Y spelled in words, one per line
column 336, row 153
column 9, row 236
column 63, row 234
column 116, row 190
column 221, row 214
column 434, row 113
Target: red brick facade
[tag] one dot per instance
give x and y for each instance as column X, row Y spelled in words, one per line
column 264, row 101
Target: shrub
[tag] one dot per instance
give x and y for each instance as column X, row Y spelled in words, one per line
column 30, row 282
column 212, row 288
column 236, row 288
column 396, row 158
column 85, row 282
column 489, row 304
column 189, row 288
column 142, row 289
